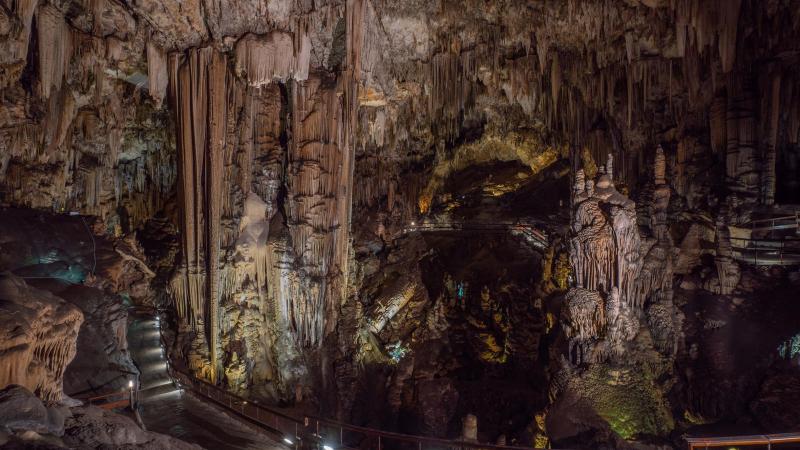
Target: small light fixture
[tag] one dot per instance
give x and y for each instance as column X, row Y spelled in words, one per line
column 327, row 447
column 130, row 384
column 413, row 224
column 288, row 441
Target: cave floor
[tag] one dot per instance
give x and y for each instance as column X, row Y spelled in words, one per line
column 181, row 414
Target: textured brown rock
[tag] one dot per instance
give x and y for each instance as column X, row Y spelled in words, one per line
column 292, row 147
column 39, row 338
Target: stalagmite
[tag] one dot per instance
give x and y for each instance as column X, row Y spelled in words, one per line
column 659, row 167
column 469, row 431
column 392, row 301
column 772, row 141
column 728, row 271
column 615, row 271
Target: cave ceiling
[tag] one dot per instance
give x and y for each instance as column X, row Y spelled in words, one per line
column 411, row 213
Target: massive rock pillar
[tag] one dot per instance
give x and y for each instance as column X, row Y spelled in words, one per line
column 320, row 187
column 198, row 81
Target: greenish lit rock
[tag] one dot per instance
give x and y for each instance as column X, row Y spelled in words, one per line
column 628, row 399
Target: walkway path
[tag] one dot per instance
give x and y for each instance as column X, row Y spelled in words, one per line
column 780, row 247
column 529, row 229
column 165, row 409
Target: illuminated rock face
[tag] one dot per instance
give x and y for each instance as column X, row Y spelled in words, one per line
column 619, row 316
column 282, row 148
column 57, row 257
column 38, row 338
column 607, row 256
column 617, row 272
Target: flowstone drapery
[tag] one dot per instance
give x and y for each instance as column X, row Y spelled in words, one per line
column 38, row 337
column 265, row 164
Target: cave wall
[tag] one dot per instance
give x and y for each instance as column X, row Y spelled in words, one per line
column 288, row 145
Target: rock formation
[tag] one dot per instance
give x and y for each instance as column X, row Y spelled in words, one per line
column 303, row 189
column 26, row 422
column 39, row 337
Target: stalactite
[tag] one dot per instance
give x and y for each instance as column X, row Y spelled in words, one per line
column 198, row 85
column 16, row 50
column 217, row 74
column 157, row 76
column 315, row 161
column 718, row 124
column 729, row 24
column 585, row 313
column 276, row 56
column 60, row 113
column 555, row 79
column 741, row 167
column 55, row 48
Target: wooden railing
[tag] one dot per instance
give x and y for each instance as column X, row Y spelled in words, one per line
column 117, row 399
column 112, row 400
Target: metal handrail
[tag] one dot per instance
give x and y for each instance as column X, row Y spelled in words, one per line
column 758, row 439
column 788, row 222
column 765, row 240
column 313, row 426
column 476, row 225
column 792, row 217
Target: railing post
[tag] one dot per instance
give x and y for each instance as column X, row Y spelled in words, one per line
column 379, row 442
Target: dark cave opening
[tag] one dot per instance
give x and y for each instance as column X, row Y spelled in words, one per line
column 493, row 355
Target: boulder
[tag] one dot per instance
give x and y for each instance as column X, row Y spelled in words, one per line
column 21, row 410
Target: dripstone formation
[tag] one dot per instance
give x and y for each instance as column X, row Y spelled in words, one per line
column 545, row 223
